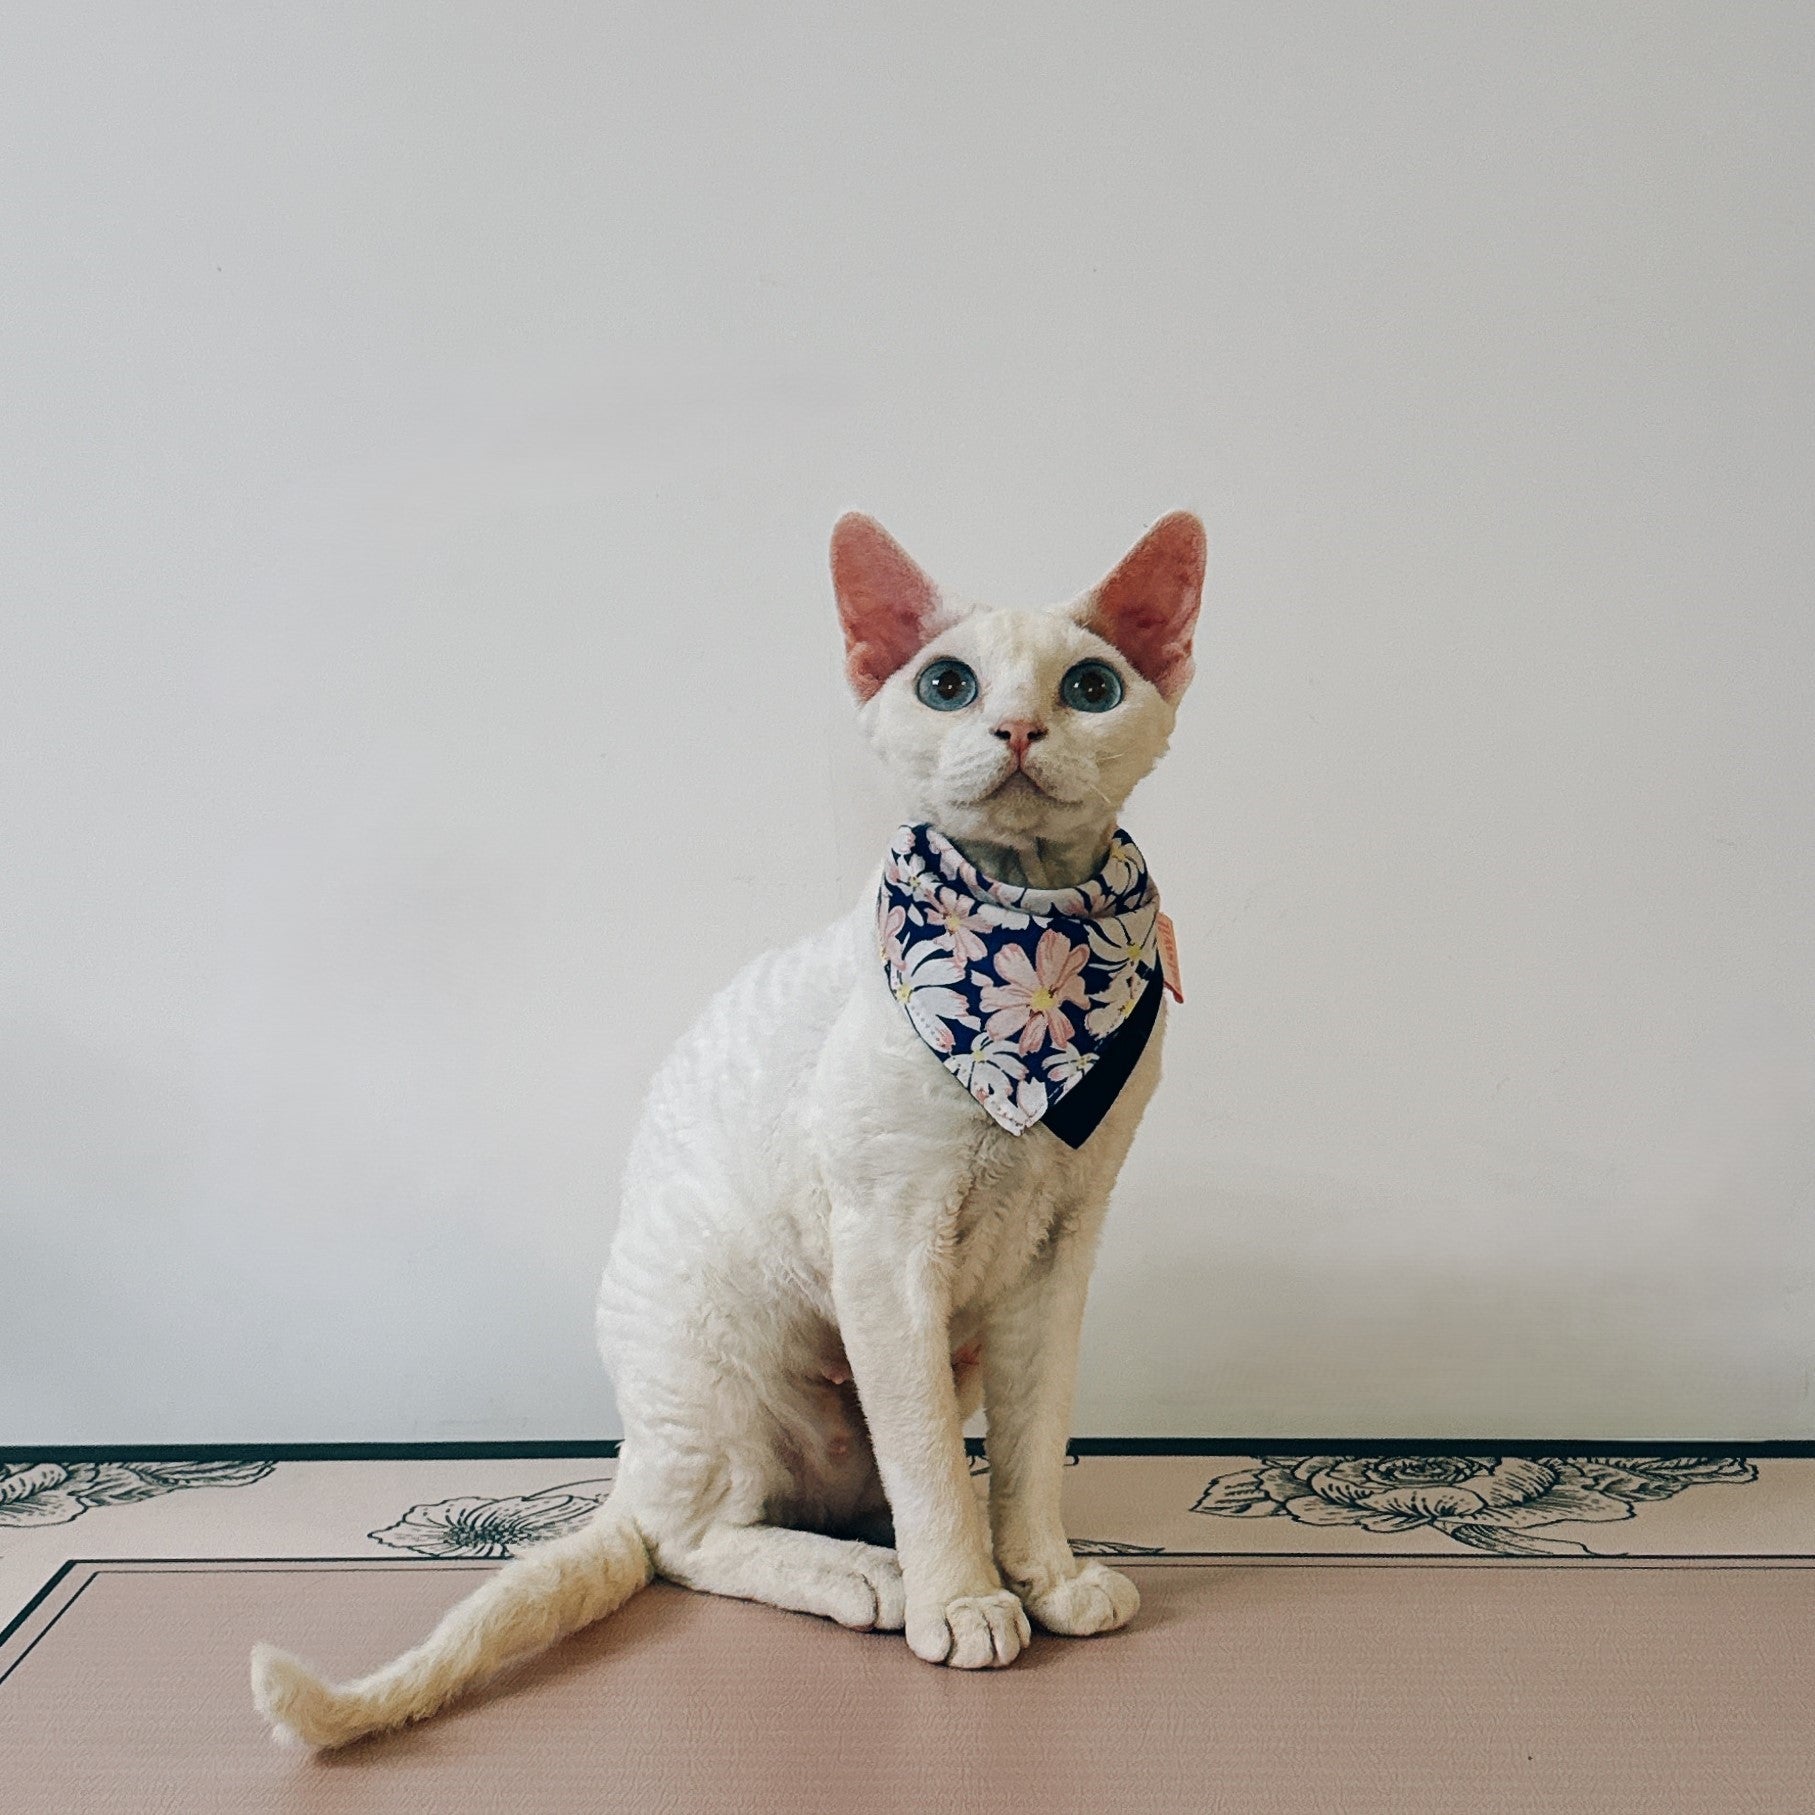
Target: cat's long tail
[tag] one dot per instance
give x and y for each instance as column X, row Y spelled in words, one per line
column 549, row 1592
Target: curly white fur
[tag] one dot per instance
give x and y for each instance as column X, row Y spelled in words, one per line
column 829, row 1255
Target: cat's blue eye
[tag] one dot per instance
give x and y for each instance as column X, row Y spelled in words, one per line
column 946, row 685
column 1091, row 687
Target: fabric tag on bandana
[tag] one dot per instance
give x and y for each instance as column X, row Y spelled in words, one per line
column 1169, row 969
column 1023, row 994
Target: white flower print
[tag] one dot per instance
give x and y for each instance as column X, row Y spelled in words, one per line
column 1121, row 869
column 906, row 868
column 923, row 986
column 1114, row 1004
column 987, row 1068
column 1009, row 896
column 1007, row 920
column 1030, row 1099
column 1126, row 939
column 953, row 863
column 1068, row 1066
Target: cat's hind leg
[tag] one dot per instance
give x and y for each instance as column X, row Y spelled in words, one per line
column 841, row 1579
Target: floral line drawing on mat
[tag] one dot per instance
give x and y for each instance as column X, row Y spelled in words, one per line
column 53, row 1493
column 473, row 1526
column 1489, row 1503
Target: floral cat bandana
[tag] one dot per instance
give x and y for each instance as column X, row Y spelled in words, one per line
column 1038, row 1001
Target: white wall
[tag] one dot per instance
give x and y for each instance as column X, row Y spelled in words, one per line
column 421, row 428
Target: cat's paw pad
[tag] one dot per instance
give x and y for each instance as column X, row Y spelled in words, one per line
column 870, row 1596
column 974, row 1632
column 1096, row 1599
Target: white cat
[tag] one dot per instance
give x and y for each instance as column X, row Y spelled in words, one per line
column 829, row 1254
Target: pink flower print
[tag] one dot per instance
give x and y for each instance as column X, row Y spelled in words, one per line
column 961, row 920
column 1030, row 999
column 888, row 933
column 923, row 987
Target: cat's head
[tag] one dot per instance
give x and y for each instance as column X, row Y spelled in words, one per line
column 1010, row 726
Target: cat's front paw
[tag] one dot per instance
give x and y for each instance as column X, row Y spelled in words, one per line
column 1096, row 1599
column 974, row 1632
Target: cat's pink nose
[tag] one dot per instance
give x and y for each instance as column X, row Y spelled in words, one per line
column 1018, row 733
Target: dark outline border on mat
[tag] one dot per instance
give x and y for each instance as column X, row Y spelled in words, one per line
column 99, row 1566
column 1305, row 1559
column 37, row 1600
column 1750, row 1448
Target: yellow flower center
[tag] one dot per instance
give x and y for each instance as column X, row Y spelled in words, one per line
column 1041, row 1000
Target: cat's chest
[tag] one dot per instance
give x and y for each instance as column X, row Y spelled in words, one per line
column 1005, row 1211
column 923, row 1167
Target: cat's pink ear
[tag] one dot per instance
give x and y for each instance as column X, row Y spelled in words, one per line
column 1148, row 606
column 888, row 607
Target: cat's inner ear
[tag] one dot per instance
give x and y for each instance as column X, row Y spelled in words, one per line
column 1148, row 606
column 888, row 607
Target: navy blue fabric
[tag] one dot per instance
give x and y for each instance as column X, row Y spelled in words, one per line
column 1074, row 1117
